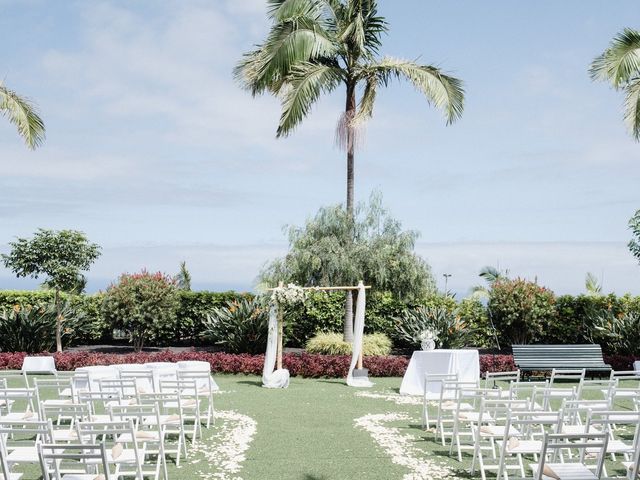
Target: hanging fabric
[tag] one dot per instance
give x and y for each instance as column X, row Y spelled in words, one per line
column 358, row 334
column 272, row 378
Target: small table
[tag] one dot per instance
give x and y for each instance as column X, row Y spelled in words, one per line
column 464, row 363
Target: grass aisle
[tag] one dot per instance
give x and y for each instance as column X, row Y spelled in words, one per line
column 309, row 432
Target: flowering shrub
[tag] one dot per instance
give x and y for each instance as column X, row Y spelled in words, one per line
column 334, row 344
column 302, row 365
column 143, row 304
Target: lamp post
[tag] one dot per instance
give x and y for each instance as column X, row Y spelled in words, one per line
column 446, row 281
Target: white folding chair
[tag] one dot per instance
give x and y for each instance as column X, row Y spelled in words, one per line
column 617, row 423
column 554, row 442
column 55, row 460
column 187, row 393
column 448, row 405
column 15, row 378
column 206, row 388
column 490, row 427
column 54, row 391
column 523, row 436
column 490, row 378
column 149, row 434
column 64, row 419
column 171, row 419
column 432, row 388
column 26, row 398
column 142, row 377
column 591, row 389
column 576, row 411
column 633, row 467
column 98, row 403
column 20, row 446
column 126, row 457
column 7, row 474
column 122, row 389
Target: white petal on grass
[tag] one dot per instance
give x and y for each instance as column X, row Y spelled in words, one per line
column 392, row 397
column 225, row 450
column 400, row 447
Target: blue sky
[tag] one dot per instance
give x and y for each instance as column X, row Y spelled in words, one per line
column 157, row 155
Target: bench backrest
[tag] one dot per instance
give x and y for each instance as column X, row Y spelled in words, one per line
column 558, row 356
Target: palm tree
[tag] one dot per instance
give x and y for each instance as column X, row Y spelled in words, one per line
column 592, row 285
column 620, row 66
column 23, row 114
column 491, row 275
column 316, row 46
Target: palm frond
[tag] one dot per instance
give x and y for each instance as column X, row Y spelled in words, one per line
column 304, row 85
column 619, row 63
column 23, row 114
column 443, row 91
column 367, row 101
column 632, row 108
column 288, row 43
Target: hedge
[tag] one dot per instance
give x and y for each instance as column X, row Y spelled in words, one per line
column 301, row 365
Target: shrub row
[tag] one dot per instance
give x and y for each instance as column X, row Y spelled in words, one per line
column 301, row 365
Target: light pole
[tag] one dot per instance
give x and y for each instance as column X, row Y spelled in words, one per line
column 446, row 281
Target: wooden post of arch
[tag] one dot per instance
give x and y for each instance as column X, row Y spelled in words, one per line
column 280, row 334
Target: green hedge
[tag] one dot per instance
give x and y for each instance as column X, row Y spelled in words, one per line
column 323, row 312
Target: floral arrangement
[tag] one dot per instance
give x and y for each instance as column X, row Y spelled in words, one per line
column 427, row 335
column 288, row 295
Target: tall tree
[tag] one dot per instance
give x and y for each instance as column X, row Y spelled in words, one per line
column 316, row 46
column 634, row 243
column 183, row 278
column 60, row 256
column 619, row 65
column 23, row 114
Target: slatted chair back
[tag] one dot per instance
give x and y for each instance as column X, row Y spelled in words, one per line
column 124, row 388
column 590, row 389
column 64, row 419
column 612, row 420
column 20, row 437
column 99, row 402
column 206, row 387
column 15, row 378
column 143, row 378
column 172, row 417
column 576, row 411
column 80, row 380
column 432, row 389
column 26, row 397
column 553, row 443
column 56, row 459
column 491, row 378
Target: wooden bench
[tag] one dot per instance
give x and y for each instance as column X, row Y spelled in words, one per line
column 548, row 357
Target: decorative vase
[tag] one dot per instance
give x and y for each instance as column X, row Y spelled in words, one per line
column 428, row 344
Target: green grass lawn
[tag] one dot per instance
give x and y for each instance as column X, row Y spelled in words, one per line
column 317, row 429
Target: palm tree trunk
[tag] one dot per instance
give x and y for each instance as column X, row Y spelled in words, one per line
column 58, row 322
column 350, row 111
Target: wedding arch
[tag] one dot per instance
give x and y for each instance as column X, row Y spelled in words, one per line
column 273, row 375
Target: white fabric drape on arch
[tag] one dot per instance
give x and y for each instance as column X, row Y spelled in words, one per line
column 272, row 378
column 358, row 334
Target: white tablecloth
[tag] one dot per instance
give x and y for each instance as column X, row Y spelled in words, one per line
column 636, row 366
column 96, row 372
column 466, row 363
column 39, row 365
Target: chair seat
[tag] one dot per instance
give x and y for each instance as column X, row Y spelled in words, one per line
column 13, row 416
column 568, row 471
column 81, row 476
column 614, row 446
column 578, row 429
column 12, row 476
column 495, row 431
column 65, row 435
column 23, row 455
column 454, row 406
column 473, row 417
column 559, row 392
column 56, row 402
column 141, row 436
column 524, row 447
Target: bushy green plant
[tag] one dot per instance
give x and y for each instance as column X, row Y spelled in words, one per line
column 474, row 314
column 520, row 310
column 32, row 329
column 620, row 333
column 333, row 344
column 239, row 327
column 452, row 332
column 144, row 305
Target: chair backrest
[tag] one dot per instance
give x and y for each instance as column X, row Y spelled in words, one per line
column 491, row 378
column 611, row 419
column 202, row 377
column 97, row 401
column 601, row 388
column 554, row 442
column 432, row 381
column 497, row 410
column 15, row 378
column 566, row 374
column 54, row 459
column 522, row 390
column 142, row 377
column 576, row 411
column 101, row 431
column 18, row 430
column 72, row 412
column 124, row 387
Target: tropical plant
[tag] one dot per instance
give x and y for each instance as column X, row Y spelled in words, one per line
column 490, row 275
column 24, row 115
column 144, row 305
column 451, row 331
column 380, row 253
column 592, row 285
column 239, row 327
column 183, row 278
column 334, row 344
column 620, row 333
column 314, row 47
column 520, row 310
column 634, row 243
column 61, row 256
column 619, row 65
column 31, row 329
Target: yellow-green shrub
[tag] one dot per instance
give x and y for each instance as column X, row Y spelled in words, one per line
column 333, row 344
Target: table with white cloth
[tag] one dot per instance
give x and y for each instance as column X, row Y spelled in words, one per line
column 636, row 366
column 464, row 363
column 43, row 364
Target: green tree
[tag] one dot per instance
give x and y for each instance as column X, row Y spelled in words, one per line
column 143, row 304
column 314, row 47
column 634, row 243
column 380, row 253
column 490, row 275
column 183, row 278
column 592, row 285
column 23, row 114
column 60, row 256
column 619, row 65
